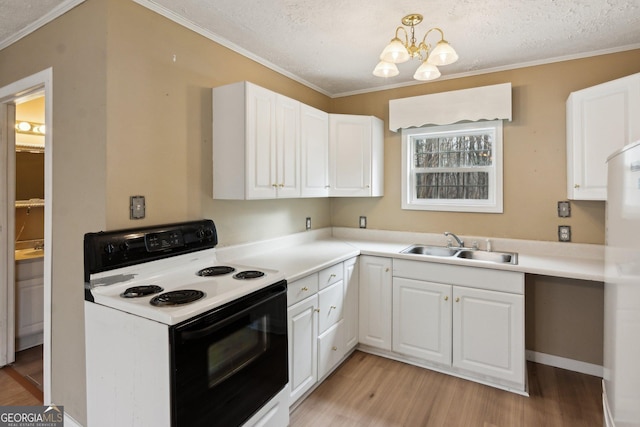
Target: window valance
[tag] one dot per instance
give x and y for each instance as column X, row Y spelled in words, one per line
column 479, row 103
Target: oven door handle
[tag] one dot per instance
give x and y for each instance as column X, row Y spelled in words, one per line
column 203, row 332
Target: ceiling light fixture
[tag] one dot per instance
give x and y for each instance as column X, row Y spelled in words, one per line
column 398, row 51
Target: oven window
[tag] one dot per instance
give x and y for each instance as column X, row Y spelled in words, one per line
column 236, row 350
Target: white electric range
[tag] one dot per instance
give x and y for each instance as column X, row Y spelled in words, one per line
column 176, row 338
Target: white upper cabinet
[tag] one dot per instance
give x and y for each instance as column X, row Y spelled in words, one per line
column 356, row 150
column 600, row 120
column 256, row 143
column 268, row 146
column 314, row 145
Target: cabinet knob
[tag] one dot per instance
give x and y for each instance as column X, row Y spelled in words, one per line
column 457, row 299
column 576, row 186
column 386, row 270
column 304, row 289
column 332, row 276
column 317, row 310
column 327, row 186
column 367, row 186
column 334, row 348
column 281, row 185
column 333, row 307
column 274, row 185
column 446, row 298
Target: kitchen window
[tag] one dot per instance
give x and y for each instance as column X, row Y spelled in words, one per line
column 453, row 168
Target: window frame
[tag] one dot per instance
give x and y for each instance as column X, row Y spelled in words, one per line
column 494, row 203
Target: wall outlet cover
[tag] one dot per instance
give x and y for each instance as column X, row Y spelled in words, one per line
column 564, row 233
column 308, row 223
column 363, row 222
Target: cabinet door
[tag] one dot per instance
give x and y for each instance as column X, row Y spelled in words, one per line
column 314, row 145
column 303, row 338
column 330, row 301
column 600, row 120
column 350, row 155
column 422, row 320
column 261, row 143
column 488, row 334
column 287, row 178
column 350, row 309
column 375, row 302
column 330, row 349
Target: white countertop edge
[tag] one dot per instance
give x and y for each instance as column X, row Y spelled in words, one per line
column 529, row 247
column 301, row 254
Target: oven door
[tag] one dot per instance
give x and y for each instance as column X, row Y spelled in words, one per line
column 229, row 362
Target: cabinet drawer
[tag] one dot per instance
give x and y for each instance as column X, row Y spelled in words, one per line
column 300, row 289
column 330, row 275
column 330, row 301
column 330, row 349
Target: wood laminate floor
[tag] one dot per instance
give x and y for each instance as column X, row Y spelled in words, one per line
column 368, row 390
column 21, row 382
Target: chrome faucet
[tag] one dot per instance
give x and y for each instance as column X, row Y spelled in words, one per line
column 460, row 242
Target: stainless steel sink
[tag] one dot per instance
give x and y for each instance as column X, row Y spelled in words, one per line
column 497, row 257
column 462, row 253
column 440, row 251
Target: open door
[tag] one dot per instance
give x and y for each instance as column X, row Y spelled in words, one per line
column 7, row 231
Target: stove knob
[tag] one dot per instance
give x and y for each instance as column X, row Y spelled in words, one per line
column 200, row 234
column 124, row 246
column 208, row 232
column 110, row 248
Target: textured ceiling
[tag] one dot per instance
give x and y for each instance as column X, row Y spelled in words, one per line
column 333, row 45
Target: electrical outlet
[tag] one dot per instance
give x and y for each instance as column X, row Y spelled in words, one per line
column 363, row 222
column 308, row 223
column 564, row 209
column 136, row 206
column 564, row 233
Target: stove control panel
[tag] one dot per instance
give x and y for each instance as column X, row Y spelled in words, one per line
column 163, row 241
column 108, row 250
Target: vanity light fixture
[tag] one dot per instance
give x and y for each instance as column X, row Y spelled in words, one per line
column 30, row 128
column 398, row 51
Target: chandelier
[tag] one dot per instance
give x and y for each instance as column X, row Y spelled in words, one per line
column 398, row 51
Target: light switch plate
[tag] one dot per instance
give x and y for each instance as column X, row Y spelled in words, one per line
column 564, row 209
column 137, row 207
column 564, row 233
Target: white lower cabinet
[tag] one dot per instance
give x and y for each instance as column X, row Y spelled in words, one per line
column 464, row 320
column 321, row 324
column 488, row 334
column 375, row 302
column 422, row 320
column 303, row 354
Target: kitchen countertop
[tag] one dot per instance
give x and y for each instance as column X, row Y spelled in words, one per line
column 301, row 254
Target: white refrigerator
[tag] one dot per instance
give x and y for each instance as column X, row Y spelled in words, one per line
column 621, row 383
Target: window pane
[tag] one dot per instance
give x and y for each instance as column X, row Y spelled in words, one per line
column 453, row 151
column 452, row 185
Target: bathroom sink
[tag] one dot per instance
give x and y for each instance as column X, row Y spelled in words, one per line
column 497, row 257
column 441, row 251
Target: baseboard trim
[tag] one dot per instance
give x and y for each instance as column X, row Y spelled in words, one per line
column 564, row 363
column 70, row 422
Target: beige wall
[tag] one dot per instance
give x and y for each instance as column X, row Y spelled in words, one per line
column 159, row 122
column 565, row 318
column 534, row 156
column 74, row 45
column 129, row 120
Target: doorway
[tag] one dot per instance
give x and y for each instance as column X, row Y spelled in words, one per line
column 16, row 213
